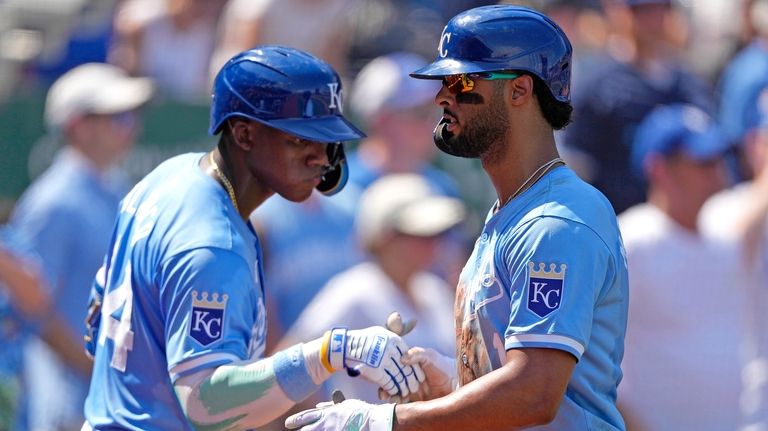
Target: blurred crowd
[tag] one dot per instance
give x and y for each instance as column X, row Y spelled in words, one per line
column 670, row 123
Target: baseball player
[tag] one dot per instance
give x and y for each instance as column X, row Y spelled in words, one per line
column 541, row 305
column 177, row 323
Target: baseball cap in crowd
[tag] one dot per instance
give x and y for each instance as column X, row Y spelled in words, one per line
column 384, row 84
column 94, row 88
column 671, row 129
column 405, row 203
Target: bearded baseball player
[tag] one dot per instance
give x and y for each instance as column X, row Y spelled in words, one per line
column 177, row 324
column 541, row 305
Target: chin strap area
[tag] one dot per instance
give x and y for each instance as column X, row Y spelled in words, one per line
column 337, row 174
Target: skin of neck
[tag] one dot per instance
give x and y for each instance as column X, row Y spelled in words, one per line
column 249, row 191
column 529, row 143
column 680, row 211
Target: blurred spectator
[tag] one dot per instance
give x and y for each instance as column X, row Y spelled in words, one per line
column 744, row 78
column 739, row 216
column 642, row 68
column 66, row 217
column 399, row 220
column 170, row 41
column 399, row 114
column 21, row 298
column 87, row 41
column 715, row 33
column 320, row 27
column 686, row 326
column 25, row 309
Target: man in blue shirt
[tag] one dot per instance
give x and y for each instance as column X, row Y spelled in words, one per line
column 178, row 323
column 66, row 218
column 541, row 305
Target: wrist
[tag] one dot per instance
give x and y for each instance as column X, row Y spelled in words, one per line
column 333, row 351
column 382, row 417
column 313, row 357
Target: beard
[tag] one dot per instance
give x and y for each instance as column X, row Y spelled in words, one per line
column 480, row 134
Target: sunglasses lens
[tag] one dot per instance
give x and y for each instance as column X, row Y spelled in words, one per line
column 453, row 83
column 458, row 83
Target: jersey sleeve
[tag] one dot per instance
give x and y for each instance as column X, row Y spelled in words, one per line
column 556, row 274
column 210, row 299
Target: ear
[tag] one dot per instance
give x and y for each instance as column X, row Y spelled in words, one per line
column 243, row 133
column 520, row 90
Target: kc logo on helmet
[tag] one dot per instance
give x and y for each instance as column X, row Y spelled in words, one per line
column 207, row 317
column 545, row 288
column 444, row 39
column 336, row 101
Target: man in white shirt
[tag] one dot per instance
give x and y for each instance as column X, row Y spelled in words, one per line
column 685, row 330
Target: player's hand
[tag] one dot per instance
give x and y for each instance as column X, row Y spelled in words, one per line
column 395, row 324
column 375, row 353
column 440, row 372
column 350, row 415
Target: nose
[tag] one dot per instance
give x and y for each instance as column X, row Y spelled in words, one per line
column 443, row 97
column 318, row 154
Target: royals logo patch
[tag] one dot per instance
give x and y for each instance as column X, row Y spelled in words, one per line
column 545, row 288
column 207, row 317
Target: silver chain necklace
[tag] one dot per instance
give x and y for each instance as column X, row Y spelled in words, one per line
column 535, row 176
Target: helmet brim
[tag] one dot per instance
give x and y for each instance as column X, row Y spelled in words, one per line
column 326, row 129
column 447, row 66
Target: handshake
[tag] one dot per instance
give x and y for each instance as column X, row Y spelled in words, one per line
column 380, row 356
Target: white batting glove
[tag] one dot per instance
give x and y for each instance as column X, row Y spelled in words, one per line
column 350, row 415
column 374, row 353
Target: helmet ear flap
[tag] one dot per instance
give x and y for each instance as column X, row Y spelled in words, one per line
column 336, row 177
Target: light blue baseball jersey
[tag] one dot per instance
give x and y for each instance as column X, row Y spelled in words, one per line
column 183, row 292
column 549, row 271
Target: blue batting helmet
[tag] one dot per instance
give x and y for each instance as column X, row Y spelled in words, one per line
column 292, row 91
column 284, row 88
column 503, row 37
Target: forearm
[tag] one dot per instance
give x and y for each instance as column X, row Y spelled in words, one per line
column 24, row 285
column 526, row 391
column 250, row 394
column 55, row 332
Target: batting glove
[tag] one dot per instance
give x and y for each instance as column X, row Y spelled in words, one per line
column 374, row 353
column 350, row 415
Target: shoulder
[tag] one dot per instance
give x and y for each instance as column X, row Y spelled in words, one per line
column 560, row 212
column 563, row 195
column 186, row 209
column 720, row 207
column 640, row 222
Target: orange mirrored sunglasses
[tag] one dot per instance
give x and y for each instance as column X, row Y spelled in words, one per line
column 465, row 82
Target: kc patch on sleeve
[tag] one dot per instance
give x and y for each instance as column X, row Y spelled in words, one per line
column 545, row 288
column 207, row 317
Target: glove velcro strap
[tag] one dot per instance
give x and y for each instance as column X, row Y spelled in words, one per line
column 337, row 348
